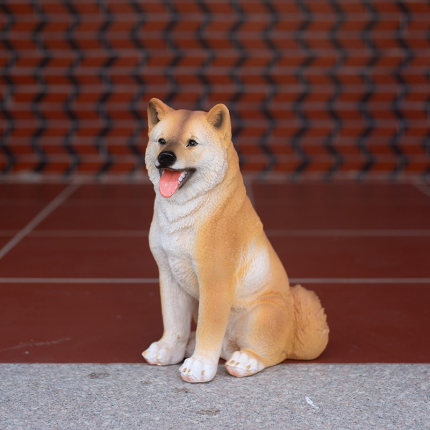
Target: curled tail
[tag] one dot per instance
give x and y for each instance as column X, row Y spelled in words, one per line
column 312, row 331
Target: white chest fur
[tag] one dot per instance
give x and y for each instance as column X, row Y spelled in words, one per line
column 177, row 251
column 172, row 240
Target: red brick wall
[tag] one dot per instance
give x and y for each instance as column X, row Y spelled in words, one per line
column 315, row 87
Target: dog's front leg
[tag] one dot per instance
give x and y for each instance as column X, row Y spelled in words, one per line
column 177, row 308
column 214, row 310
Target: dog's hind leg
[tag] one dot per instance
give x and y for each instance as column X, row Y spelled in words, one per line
column 262, row 338
column 177, row 307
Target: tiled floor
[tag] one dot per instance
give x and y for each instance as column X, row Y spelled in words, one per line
column 77, row 280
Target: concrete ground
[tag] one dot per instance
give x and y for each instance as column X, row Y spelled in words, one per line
column 139, row 396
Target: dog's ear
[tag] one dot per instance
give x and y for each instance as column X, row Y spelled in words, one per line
column 219, row 118
column 157, row 110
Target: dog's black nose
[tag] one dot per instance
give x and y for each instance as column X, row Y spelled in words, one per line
column 166, row 158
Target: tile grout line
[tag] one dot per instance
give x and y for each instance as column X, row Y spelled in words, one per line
column 360, row 280
column 78, row 280
column 34, row 280
column 349, row 232
column 270, row 233
column 92, row 233
column 45, row 212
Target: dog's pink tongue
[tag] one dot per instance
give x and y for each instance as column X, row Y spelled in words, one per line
column 169, row 182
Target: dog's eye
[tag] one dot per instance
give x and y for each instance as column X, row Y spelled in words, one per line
column 192, row 142
column 162, row 141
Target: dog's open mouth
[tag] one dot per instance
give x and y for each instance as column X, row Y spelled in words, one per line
column 171, row 180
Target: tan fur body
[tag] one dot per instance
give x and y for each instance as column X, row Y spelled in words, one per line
column 216, row 262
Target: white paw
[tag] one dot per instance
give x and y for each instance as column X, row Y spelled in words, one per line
column 162, row 354
column 198, row 369
column 243, row 364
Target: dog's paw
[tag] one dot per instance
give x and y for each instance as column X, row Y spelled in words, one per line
column 243, row 364
column 161, row 354
column 198, row 369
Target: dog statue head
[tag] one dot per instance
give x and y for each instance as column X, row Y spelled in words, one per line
column 187, row 152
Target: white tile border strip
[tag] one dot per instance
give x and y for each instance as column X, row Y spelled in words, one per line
column 44, row 213
column 348, row 233
column 269, row 232
column 78, row 280
column 360, row 280
column 91, row 233
column 16, row 280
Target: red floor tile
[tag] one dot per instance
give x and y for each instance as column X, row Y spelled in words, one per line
column 341, row 206
column 357, row 257
column 111, row 215
column 77, row 323
column 3, row 240
column 138, row 193
column 114, row 323
column 20, row 203
column 43, row 192
column 104, row 207
column 304, row 257
column 376, row 323
column 118, row 257
column 17, row 216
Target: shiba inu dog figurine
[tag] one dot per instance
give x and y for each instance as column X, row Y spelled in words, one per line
column 215, row 262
